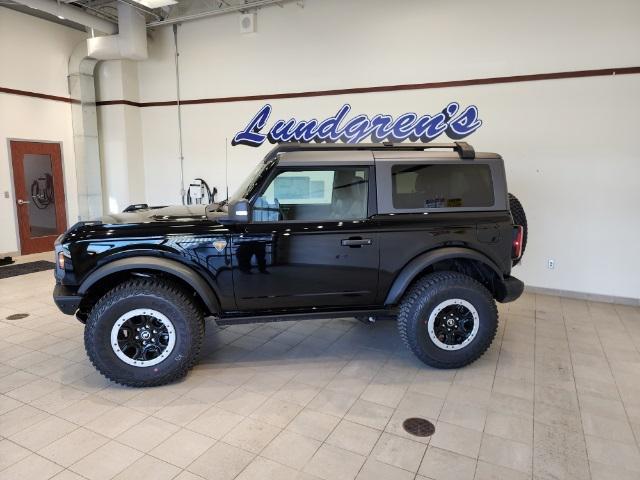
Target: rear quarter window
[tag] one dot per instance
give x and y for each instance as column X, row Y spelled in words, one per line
column 441, row 186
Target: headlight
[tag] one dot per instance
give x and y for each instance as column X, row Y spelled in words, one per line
column 61, row 260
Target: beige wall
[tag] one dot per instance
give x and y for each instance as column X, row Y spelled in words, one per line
column 33, row 56
column 569, row 145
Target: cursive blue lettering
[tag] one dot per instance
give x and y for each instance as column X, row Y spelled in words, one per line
column 250, row 135
column 381, row 127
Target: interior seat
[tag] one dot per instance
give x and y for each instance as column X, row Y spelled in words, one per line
column 349, row 196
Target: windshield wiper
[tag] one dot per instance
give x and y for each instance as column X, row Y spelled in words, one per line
column 221, row 204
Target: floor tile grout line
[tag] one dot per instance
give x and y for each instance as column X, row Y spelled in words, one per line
column 323, row 442
column 43, row 377
column 78, row 427
column 502, row 335
column 564, row 322
column 248, row 417
column 337, row 424
column 533, row 417
column 32, row 452
column 36, row 374
column 615, row 381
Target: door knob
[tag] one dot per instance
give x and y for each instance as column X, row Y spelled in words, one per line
column 23, row 202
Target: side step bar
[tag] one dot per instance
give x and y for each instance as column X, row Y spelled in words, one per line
column 240, row 319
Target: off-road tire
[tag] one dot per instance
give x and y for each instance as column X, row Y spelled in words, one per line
column 163, row 296
column 519, row 218
column 425, row 295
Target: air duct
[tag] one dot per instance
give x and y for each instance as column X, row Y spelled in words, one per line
column 130, row 42
column 85, row 133
column 73, row 14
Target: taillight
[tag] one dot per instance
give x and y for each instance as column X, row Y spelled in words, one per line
column 516, row 246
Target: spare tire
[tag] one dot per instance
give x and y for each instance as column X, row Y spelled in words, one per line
column 519, row 218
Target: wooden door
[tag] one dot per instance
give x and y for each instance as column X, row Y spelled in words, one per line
column 39, row 194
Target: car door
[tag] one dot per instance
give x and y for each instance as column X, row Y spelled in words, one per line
column 310, row 242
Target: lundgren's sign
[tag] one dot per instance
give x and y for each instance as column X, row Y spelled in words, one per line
column 453, row 121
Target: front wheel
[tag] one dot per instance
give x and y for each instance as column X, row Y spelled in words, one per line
column 144, row 333
column 448, row 319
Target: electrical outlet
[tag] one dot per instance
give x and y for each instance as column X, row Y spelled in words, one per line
column 552, row 264
column 6, row 194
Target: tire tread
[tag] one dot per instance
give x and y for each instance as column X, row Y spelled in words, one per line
column 419, row 294
column 152, row 287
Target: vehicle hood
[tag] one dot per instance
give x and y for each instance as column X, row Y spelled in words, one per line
column 175, row 213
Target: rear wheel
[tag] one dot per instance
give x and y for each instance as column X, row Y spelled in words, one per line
column 448, row 319
column 144, row 333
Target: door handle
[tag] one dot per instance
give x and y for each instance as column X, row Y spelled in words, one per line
column 23, row 202
column 355, row 242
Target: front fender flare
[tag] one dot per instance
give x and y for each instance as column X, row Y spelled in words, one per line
column 416, row 266
column 165, row 265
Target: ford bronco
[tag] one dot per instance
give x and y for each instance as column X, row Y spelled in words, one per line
column 426, row 233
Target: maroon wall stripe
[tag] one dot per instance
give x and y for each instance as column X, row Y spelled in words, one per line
column 390, row 88
column 346, row 91
column 26, row 93
column 127, row 102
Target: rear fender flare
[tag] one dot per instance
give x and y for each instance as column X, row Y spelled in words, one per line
column 416, row 266
column 165, row 265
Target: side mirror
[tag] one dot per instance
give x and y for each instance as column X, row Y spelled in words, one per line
column 239, row 211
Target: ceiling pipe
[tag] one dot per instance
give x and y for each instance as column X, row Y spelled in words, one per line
column 221, row 11
column 73, row 14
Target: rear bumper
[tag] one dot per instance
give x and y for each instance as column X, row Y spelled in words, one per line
column 510, row 290
column 66, row 299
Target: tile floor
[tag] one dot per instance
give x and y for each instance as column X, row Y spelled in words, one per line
column 556, row 397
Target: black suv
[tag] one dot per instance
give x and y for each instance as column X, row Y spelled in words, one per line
column 426, row 233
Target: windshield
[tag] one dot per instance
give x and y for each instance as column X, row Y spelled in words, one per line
column 245, row 189
column 249, row 182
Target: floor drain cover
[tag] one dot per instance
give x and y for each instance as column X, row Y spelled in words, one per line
column 17, row 316
column 419, row 427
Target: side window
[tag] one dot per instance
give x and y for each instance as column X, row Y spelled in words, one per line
column 441, row 186
column 337, row 193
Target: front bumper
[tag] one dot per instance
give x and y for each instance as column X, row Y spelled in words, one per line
column 66, row 299
column 510, row 290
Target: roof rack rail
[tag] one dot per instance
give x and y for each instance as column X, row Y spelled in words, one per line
column 463, row 149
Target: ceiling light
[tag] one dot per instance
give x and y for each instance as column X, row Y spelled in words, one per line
column 156, row 3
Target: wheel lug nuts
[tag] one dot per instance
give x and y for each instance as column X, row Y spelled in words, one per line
column 137, row 337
